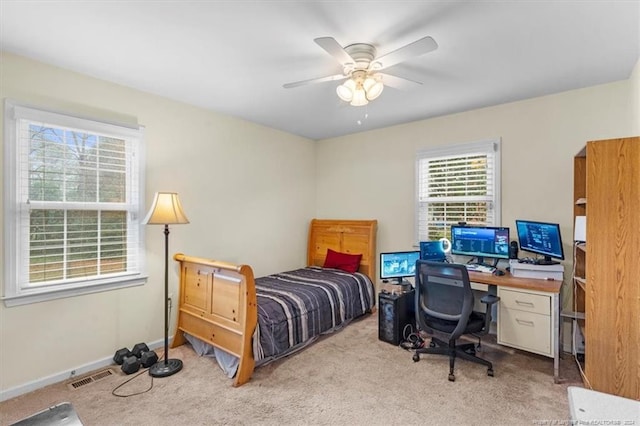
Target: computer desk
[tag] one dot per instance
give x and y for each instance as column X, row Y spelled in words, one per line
column 528, row 313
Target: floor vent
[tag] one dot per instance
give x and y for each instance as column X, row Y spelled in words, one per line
column 102, row 374
column 90, row 379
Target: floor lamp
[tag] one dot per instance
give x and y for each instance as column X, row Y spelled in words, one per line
column 166, row 210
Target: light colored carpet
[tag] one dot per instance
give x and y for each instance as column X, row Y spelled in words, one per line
column 349, row 377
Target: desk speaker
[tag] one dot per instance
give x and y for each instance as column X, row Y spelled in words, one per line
column 513, row 250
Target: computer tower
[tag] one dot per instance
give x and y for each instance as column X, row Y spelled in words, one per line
column 395, row 311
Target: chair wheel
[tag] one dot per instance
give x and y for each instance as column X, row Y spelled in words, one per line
column 416, row 357
column 490, row 372
column 452, row 378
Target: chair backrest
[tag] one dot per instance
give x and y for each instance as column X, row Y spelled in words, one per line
column 443, row 291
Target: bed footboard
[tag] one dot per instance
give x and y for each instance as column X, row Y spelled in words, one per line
column 218, row 306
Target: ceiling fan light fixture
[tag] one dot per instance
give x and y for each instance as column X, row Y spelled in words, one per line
column 359, row 89
column 373, row 87
column 360, row 65
column 359, row 97
column 345, row 90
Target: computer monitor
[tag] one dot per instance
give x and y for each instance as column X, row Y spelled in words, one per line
column 398, row 265
column 541, row 238
column 432, row 250
column 480, row 242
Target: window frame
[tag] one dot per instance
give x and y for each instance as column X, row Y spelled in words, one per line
column 15, row 294
column 489, row 147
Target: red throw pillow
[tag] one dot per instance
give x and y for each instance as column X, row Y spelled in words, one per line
column 344, row 261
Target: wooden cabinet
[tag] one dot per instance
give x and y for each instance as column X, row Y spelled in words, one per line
column 607, row 268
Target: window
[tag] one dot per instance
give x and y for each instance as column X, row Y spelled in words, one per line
column 73, row 200
column 457, row 183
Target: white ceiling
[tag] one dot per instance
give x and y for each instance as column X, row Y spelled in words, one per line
column 234, row 56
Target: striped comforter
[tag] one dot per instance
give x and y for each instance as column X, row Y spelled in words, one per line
column 296, row 307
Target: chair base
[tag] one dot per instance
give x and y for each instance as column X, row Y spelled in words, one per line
column 465, row 351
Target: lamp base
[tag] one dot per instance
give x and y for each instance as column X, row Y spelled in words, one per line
column 165, row 368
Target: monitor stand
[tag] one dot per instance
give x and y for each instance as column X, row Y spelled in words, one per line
column 546, row 261
column 402, row 282
column 480, row 261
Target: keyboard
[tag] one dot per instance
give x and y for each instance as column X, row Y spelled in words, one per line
column 480, row 268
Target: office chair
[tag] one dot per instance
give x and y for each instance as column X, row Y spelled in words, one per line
column 444, row 302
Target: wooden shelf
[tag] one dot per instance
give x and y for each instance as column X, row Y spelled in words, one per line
column 572, row 314
column 582, row 282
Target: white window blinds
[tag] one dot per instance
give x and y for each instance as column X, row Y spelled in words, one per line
column 459, row 183
column 75, row 203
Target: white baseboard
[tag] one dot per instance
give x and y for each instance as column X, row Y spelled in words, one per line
column 67, row 374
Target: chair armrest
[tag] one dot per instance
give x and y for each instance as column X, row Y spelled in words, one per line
column 489, row 300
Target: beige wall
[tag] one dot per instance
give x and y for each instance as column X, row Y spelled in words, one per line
column 372, row 174
column 635, row 98
column 249, row 192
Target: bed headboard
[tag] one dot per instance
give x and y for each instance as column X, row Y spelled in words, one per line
column 346, row 236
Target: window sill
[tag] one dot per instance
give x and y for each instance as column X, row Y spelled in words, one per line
column 43, row 296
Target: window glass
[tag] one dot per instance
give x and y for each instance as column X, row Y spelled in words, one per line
column 74, row 210
column 459, row 183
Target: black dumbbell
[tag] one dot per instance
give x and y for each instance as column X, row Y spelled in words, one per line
column 130, row 364
column 147, row 357
column 139, row 348
column 120, row 355
column 131, row 360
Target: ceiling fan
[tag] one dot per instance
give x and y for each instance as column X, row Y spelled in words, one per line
column 361, row 67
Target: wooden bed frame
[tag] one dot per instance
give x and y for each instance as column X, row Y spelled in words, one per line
column 218, row 299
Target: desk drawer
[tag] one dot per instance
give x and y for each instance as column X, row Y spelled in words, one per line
column 525, row 330
column 535, row 303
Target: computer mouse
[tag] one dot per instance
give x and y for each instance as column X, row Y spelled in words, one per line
column 498, row 272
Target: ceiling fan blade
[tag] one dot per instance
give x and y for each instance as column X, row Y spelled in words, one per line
column 314, row 80
column 411, row 50
column 333, row 48
column 398, row 82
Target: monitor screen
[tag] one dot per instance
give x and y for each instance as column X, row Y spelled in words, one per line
column 398, row 265
column 541, row 238
column 480, row 241
column 432, row 250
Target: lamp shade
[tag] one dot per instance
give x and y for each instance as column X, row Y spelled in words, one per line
column 345, row 90
column 359, row 97
column 166, row 209
column 373, row 87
